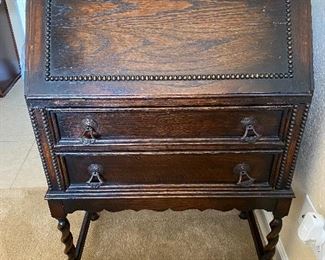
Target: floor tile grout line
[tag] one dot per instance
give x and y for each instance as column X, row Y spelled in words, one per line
column 21, row 165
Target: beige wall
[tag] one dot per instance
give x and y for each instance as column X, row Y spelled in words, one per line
column 310, row 169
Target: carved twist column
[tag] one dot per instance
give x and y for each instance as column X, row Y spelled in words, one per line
column 272, row 238
column 67, row 239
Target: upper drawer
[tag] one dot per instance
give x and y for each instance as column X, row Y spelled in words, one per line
column 98, row 125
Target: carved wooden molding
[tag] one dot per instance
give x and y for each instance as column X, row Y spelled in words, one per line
column 295, row 154
column 284, row 160
column 287, row 145
column 51, row 149
column 226, row 76
column 167, row 191
column 40, row 149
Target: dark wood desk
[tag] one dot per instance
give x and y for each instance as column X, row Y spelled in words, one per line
column 159, row 105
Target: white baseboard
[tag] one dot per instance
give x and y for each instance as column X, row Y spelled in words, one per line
column 263, row 218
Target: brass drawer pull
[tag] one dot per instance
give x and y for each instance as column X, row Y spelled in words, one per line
column 89, row 134
column 242, row 170
column 250, row 135
column 95, row 180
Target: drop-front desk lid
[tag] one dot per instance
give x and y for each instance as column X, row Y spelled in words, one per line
column 168, row 48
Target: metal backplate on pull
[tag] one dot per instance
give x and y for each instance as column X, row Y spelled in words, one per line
column 250, row 135
column 89, row 133
column 95, row 180
column 242, row 170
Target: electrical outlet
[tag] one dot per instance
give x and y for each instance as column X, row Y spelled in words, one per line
column 306, row 207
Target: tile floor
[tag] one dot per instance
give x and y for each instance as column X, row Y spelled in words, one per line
column 20, row 165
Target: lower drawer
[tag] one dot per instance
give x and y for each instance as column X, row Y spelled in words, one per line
column 238, row 168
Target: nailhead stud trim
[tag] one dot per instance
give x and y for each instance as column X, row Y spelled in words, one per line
column 40, row 149
column 231, row 76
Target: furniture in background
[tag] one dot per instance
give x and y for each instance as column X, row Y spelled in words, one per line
column 169, row 105
column 9, row 59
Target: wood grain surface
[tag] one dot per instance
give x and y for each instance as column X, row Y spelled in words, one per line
column 247, row 38
column 164, row 140
column 169, row 168
column 204, row 122
column 167, row 37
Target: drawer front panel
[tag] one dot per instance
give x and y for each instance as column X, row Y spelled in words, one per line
column 170, row 168
column 114, row 125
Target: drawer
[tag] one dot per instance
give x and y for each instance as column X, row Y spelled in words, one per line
column 254, row 169
column 243, row 124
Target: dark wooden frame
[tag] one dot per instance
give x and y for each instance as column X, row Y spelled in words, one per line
column 264, row 252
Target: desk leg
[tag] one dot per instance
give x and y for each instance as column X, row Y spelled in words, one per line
column 243, row 215
column 94, row 216
column 268, row 251
column 272, row 238
column 67, row 239
column 75, row 252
